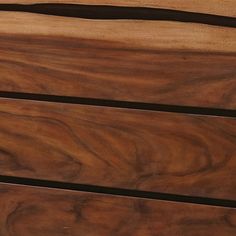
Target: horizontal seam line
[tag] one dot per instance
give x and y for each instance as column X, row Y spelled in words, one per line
column 117, row 191
column 119, row 104
column 120, row 12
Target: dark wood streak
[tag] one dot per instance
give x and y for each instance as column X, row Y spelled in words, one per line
column 112, row 70
column 11, row 161
column 216, row 7
column 46, row 212
column 144, row 150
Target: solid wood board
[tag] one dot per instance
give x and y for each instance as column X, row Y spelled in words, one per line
column 218, row 7
column 48, row 212
column 144, row 61
column 134, row 149
column 141, row 34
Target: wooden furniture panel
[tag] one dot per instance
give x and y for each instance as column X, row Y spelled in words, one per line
column 144, row 150
column 27, row 211
column 218, row 7
column 155, row 61
column 144, row 61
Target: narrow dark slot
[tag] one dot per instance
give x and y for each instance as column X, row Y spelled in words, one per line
column 120, row 104
column 117, row 191
column 117, row 12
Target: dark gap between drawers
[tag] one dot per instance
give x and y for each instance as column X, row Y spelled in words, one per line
column 117, row 191
column 118, row 12
column 120, row 104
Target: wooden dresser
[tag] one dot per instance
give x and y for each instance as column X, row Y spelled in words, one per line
column 117, row 118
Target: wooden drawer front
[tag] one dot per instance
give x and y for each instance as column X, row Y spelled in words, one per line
column 35, row 211
column 160, row 62
column 144, row 150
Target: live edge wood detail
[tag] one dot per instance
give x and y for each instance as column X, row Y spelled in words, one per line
column 218, row 7
column 27, row 211
column 145, row 61
column 134, row 149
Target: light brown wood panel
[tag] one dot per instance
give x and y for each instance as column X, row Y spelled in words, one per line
column 27, row 211
column 218, row 7
column 129, row 33
column 134, row 149
column 144, row 61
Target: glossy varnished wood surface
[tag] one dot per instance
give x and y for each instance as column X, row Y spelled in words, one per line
column 218, row 7
column 145, row 61
column 27, row 211
column 155, row 151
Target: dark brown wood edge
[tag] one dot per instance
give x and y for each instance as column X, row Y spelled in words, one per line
column 120, row 12
column 120, row 104
column 117, row 191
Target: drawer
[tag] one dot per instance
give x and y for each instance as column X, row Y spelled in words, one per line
column 162, row 62
column 36, row 211
column 115, row 147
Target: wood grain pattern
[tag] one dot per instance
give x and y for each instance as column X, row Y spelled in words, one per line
column 27, row 211
column 144, row 61
column 132, row 33
column 133, row 149
column 218, row 7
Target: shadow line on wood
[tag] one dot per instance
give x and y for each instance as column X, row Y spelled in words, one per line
column 119, row 12
column 117, row 191
column 120, row 104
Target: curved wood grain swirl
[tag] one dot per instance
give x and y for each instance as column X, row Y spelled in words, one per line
column 178, row 64
column 154, row 151
column 27, row 211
